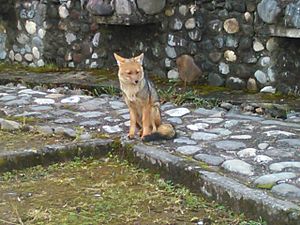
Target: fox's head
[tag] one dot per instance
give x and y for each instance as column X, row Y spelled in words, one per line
column 130, row 70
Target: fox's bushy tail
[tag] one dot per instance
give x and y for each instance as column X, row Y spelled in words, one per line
column 164, row 132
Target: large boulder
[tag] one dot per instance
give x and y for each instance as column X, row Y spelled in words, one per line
column 151, row 7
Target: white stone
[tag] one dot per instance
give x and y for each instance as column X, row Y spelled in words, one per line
column 224, row 68
column 241, row 137
column 247, row 152
column 263, row 146
column 275, row 133
column 177, row 112
column 63, row 11
column 36, row 52
column 72, row 99
column 44, row 101
column 30, row 27
column 238, row 166
column 70, row 37
column 112, row 129
column 18, row 57
column 230, row 56
column 198, row 126
column 211, row 120
column 183, row 10
column 190, row 23
column 260, row 76
column 203, row 136
column 40, row 63
column 173, row 74
column 268, row 89
column 96, row 39
column 262, row 159
column 248, row 17
column 123, row 7
column 258, row 46
column 95, row 56
column 11, row 55
column 41, row 33
column 94, row 65
column 28, row 57
column 31, row 92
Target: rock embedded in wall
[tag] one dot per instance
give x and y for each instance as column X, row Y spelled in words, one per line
column 231, row 26
column 151, row 7
column 268, row 10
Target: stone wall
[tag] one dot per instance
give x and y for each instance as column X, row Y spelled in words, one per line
column 239, row 44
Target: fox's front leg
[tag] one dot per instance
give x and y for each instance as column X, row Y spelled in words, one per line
column 146, row 120
column 133, row 121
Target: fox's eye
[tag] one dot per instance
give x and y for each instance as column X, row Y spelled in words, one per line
column 128, row 72
column 137, row 71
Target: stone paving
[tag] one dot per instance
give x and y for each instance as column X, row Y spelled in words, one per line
column 258, row 152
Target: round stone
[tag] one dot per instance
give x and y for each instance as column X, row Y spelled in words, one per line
column 238, row 166
column 70, row 37
column 28, row 57
column 283, row 165
column 198, row 126
column 272, row 44
column 231, row 26
column 190, row 23
column 40, row 63
column 263, row 146
column 188, row 149
column 112, row 129
column 247, row 152
column 41, row 33
column 183, row 10
column 151, row 7
column 230, row 56
column 22, row 38
column 260, row 76
column 248, row 17
column 36, row 52
column 267, row 181
column 173, row 74
column 178, row 112
column 251, row 84
column 262, row 159
column 30, row 27
column 258, row 46
column 175, row 24
column 203, row 136
column 229, row 145
column 18, row 57
column 287, row 190
column 210, row 159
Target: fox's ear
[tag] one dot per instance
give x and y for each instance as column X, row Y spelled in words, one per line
column 139, row 58
column 120, row 60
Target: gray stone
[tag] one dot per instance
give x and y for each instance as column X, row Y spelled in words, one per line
column 215, row 79
column 123, row 7
column 238, row 166
column 184, row 140
column 18, row 57
column 9, row 125
column 203, row 136
column 47, row 130
column 283, row 165
column 270, row 179
column 8, row 98
column 175, row 24
column 151, row 7
column 28, row 57
column 210, row 159
column 22, row 38
column 230, row 123
column 17, row 102
column 260, row 76
column 183, row 10
column 220, row 131
column 65, row 131
column 258, row 46
column 286, row 190
column 64, row 120
column 291, row 142
column 188, row 149
column 96, row 39
column 229, row 145
column 117, row 104
column 41, row 108
column 211, row 120
column 36, row 52
column 268, row 10
column 177, row 112
column 40, row 63
column 195, row 35
column 70, row 37
column 232, row 42
column 175, row 120
column 91, row 114
column 90, row 123
column 235, row 83
column 100, row 8
column 171, row 53
column 63, row 11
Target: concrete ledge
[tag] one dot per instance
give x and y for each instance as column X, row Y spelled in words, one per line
column 53, row 153
column 252, row 202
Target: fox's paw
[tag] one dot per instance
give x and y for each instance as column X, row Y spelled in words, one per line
column 130, row 136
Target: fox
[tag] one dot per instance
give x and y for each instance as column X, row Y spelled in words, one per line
column 142, row 100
